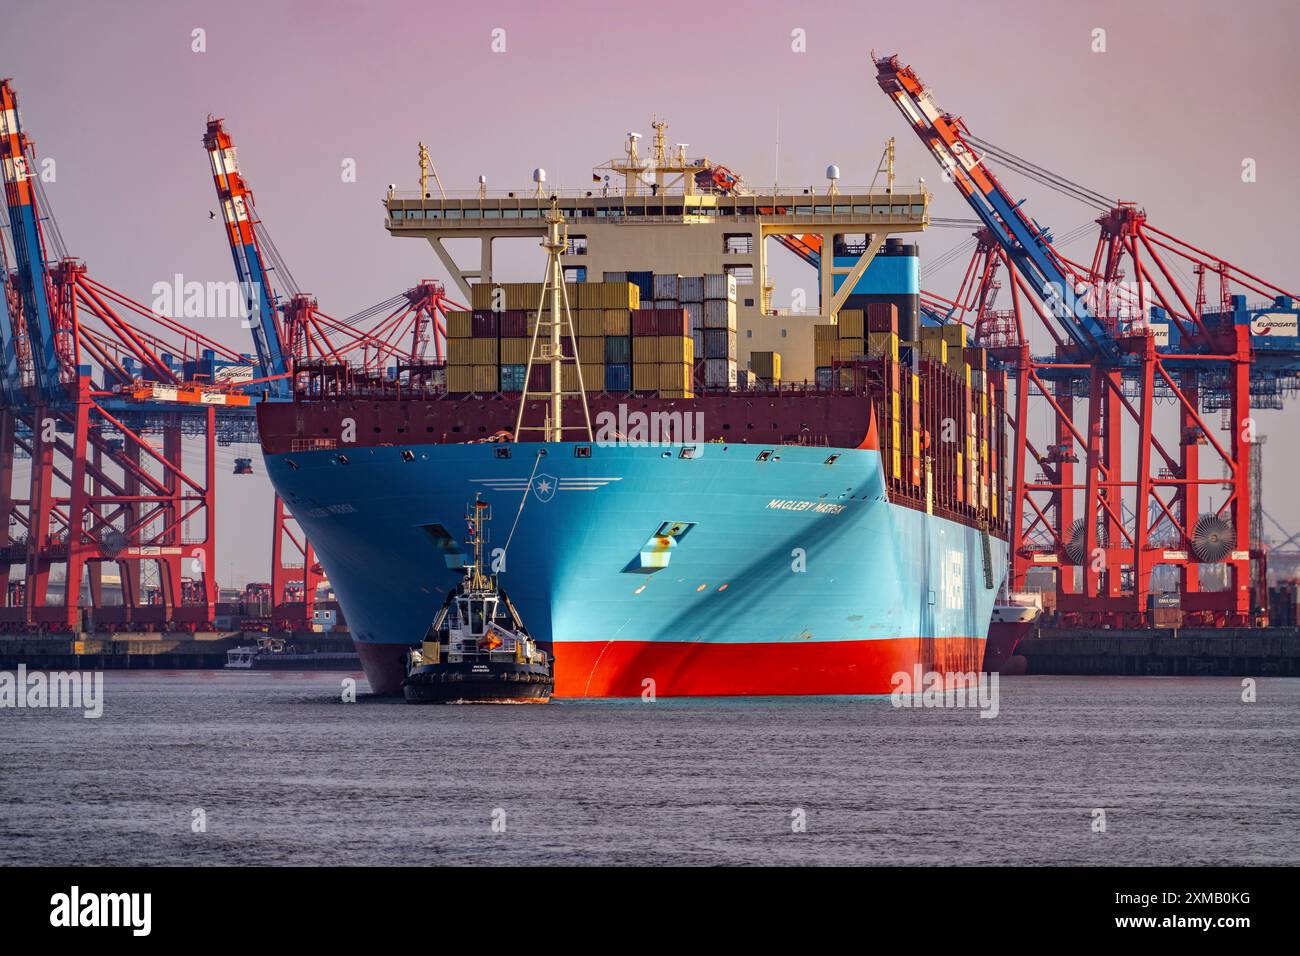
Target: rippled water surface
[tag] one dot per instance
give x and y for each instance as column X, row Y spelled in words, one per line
column 285, row 772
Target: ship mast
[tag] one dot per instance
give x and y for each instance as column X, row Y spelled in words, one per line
column 478, row 515
column 553, row 320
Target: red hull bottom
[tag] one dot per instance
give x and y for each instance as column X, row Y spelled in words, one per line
column 680, row 669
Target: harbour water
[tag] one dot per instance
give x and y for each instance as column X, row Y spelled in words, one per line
column 274, row 768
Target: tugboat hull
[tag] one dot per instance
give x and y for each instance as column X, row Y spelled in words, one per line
column 479, row 684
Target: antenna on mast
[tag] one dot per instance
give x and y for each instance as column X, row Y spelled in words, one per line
column 426, row 167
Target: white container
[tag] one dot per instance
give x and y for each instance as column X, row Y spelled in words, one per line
column 667, row 304
column 720, row 344
column 615, row 276
column 695, row 312
column 667, row 286
column 720, row 314
column 691, row 289
column 719, row 373
column 720, row 286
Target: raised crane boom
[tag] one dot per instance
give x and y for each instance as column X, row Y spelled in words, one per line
column 29, row 248
column 11, row 380
column 1027, row 246
column 250, row 267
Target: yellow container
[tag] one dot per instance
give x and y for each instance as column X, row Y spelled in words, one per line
column 480, row 295
column 675, row 375
column 514, row 351
column 825, row 333
column 621, row 295
column 616, row 322
column 675, row 348
column 766, row 365
column 645, row 350
column 825, row 350
column 460, row 352
column 591, row 349
column 593, row 377
column 460, row 378
column 487, row 378
column 846, row 350
column 954, row 334
column 484, row 351
column 882, row 343
column 524, row 295
column 645, row 376
column 934, row 348
column 460, row 325
column 591, row 322
column 853, row 324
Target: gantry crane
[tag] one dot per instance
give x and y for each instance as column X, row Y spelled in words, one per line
column 1118, row 348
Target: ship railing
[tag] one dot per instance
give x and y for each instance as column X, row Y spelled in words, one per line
column 779, row 194
column 1028, row 596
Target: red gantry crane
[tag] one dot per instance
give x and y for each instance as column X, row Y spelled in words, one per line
column 1127, row 335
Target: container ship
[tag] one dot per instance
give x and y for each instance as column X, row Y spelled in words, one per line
column 706, row 495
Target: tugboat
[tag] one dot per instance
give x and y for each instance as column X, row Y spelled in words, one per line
column 478, row 650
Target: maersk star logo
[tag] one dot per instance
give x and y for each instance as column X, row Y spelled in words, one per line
column 544, row 487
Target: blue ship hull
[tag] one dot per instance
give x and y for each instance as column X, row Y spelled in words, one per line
column 650, row 569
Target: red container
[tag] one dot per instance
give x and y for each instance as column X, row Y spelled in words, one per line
column 882, row 317
column 672, row 322
column 539, row 380
column 514, row 324
column 484, row 324
column 645, row 322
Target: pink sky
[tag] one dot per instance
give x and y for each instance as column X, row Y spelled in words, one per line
column 113, row 93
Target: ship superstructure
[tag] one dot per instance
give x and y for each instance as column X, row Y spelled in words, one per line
column 671, row 214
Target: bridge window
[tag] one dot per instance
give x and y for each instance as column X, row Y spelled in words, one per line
column 737, row 243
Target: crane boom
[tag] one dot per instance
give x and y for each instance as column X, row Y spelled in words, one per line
column 11, row 381
column 1025, row 243
column 29, row 247
column 250, row 267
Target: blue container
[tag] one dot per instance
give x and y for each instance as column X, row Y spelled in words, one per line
column 512, row 377
column 618, row 378
column 618, row 350
column 645, row 281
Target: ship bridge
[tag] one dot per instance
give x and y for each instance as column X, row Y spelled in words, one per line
column 681, row 215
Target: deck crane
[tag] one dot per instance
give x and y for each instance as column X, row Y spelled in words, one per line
column 29, row 248
column 1109, row 354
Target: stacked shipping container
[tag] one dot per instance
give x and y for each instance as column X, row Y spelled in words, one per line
column 709, row 303
column 620, row 346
